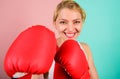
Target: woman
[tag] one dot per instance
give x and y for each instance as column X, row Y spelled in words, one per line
column 68, row 20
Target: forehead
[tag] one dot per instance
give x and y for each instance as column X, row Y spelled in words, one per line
column 69, row 14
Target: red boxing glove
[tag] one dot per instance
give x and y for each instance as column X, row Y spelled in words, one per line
column 60, row 73
column 32, row 52
column 71, row 57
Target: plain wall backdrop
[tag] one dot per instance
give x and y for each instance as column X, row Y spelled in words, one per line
column 100, row 31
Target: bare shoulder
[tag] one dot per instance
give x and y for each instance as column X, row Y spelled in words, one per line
column 85, row 45
column 92, row 68
column 86, row 48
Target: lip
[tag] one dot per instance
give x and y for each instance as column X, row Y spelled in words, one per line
column 70, row 34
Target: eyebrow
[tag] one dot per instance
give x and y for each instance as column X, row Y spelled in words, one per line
column 77, row 19
column 61, row 19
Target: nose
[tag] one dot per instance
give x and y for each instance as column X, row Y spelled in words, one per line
column 70, row 27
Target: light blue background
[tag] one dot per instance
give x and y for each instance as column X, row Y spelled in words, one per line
column 101, row 32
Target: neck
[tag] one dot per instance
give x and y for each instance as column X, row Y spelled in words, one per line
column 60, row 41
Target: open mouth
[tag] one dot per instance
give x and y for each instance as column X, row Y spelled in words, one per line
column 70, row 35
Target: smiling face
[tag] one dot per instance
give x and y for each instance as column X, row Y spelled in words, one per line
column 68, row 23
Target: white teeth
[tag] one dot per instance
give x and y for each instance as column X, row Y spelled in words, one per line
column 70, row 35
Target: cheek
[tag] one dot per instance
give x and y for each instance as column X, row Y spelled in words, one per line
column 79, row 28
column 60, row 28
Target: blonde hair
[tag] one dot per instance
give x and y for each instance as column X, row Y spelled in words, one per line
column 70, row 4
